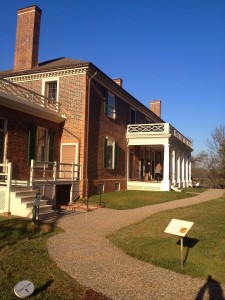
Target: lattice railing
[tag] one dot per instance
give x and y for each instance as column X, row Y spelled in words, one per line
column 27, row 95
column 138, row 128
column 155, row 128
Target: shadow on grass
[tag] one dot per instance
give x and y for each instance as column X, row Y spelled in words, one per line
column 16, row 229
column 42, row 288
column 188, row 243
column 212, row 288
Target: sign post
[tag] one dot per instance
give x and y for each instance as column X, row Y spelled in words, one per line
column 179, row 228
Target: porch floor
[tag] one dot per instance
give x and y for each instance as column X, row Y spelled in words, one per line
column 143, row 185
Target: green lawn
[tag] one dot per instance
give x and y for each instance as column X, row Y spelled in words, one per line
column 135, row 199
column 204, row 248
column 24, row 255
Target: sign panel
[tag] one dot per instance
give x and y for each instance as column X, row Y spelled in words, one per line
column 179, row 227
column 24, row 289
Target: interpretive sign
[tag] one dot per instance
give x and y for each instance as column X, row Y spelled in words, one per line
column 24, row 289
column 179, row 227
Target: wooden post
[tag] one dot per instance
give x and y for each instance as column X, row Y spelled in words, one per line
column 181, row 252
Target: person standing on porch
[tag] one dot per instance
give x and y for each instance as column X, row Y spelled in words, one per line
column 147, row 171
column 158, row 170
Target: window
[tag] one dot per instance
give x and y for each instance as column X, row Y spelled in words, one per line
column 132, row 116
column 41, row 144
column 51, row 90
column 110, row 105
column 110, row 154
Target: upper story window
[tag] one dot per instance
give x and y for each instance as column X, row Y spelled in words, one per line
column 132, row 116
column 110, row 105
column 51, row 90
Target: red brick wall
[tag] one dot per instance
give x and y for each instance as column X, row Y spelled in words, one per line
column 17, row 139
column 101, row 126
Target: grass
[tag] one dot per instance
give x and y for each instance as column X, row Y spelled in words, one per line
column 134, row 199
column 24, row 255
column 204, row 248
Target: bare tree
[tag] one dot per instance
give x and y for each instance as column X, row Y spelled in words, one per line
column 216, row 159
column 210, row 166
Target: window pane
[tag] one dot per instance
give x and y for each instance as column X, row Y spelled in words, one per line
column 132, row 116
column 51, row 90
column 111, row 105
column 41, row 144
column 109, row 154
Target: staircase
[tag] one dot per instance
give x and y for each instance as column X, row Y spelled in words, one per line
column 22, row 199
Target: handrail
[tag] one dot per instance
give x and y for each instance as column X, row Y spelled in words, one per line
column 28, row 95
column 54, row 169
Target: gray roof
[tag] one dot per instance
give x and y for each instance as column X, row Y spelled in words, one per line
column 61, row 62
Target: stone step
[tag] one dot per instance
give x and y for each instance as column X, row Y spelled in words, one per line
column 42, row 203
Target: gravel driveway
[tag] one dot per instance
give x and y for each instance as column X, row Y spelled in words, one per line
column 87, row 256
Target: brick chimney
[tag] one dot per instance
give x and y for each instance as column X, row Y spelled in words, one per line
column 155, row 106
column 119, row 81
column 27, row 37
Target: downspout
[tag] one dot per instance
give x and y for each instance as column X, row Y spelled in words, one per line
column 87, row 133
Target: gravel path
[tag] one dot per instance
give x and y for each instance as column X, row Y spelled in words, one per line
column 86, row 255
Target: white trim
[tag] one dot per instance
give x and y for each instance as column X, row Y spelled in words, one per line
column 48, row 75
column 76, row 154
column 4, row 130
column 47, row 80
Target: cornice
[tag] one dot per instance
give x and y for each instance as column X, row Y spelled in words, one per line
column 47, row 74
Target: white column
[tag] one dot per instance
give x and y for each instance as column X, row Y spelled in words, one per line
column 189, row 166
column 165, row 184
column 174, row 167
column 128, row 159
column 187, row 170
column 182, row 170
column 178, row 169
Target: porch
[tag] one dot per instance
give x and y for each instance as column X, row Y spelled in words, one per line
column 46, row 181
column 158, row 142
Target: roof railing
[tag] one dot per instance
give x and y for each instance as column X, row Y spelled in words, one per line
column 28, row 95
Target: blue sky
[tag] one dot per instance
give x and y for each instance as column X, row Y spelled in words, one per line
column 172, row 50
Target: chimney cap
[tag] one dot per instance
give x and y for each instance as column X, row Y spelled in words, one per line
column 29, row 8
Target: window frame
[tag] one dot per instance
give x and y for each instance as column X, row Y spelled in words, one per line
column 49, row 144
column 133, row 110
column 110, row 105
column 114, row 154
column 46, row 83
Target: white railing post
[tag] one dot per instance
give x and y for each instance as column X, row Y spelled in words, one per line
column 72, row 174
column 8, row 186
column 32, row 172
column 54, row 184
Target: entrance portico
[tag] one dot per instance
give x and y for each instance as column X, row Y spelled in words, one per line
column 159, row 142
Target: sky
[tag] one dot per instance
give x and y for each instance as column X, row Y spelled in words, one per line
column 171, row 50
